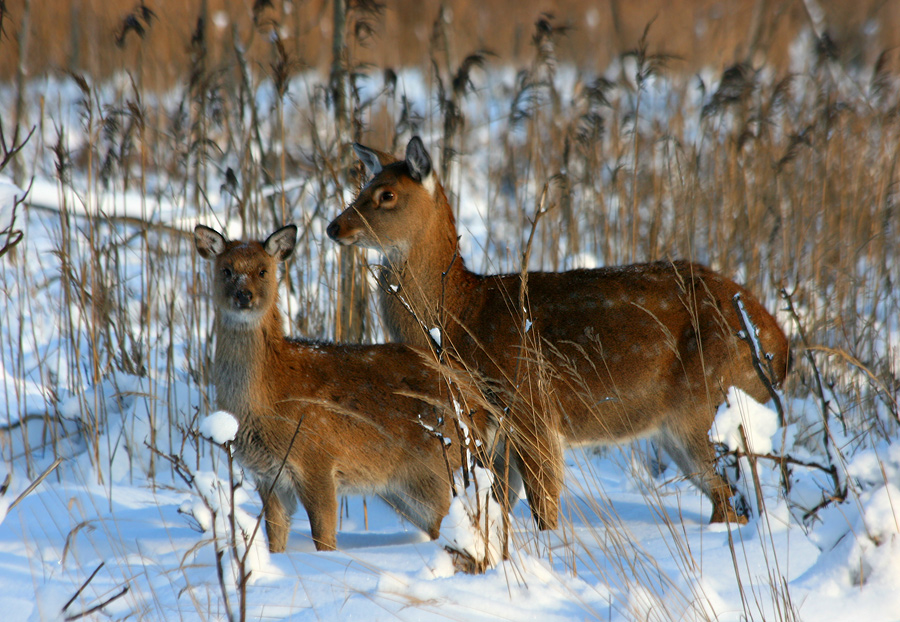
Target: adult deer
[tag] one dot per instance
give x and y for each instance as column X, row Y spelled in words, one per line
column 319, row 419
column 577, row 358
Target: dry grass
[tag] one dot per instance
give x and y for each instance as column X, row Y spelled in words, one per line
column 786, row 181
column 101, row 38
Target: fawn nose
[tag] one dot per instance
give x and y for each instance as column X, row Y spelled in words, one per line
column 243, row 297
column 333, row 230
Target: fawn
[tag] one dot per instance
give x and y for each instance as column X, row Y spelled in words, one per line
column 320, row 419
column 583, row 357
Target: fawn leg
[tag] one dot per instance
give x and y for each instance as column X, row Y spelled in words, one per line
column 279, row 504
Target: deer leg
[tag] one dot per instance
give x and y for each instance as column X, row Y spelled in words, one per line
column 319, row 497
column 279, row 504
column 695, row 455
column 539, row 458
column 507, row 486
column 425, row 500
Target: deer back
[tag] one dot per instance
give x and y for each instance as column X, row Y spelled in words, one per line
column 630, row 337
column 578, row 357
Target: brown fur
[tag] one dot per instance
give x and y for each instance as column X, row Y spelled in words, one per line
column 610, row 355
column 316, row 419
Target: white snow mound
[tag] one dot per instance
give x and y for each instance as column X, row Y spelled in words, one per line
column 219, row 427
column 739, row 409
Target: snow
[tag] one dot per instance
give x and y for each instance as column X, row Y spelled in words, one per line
column 741, row 411
column 621, row 553
column 8, row 193
column 165, row 513
column 219, row 427
column 473, row 525
column 435, row 334
column 211, row 509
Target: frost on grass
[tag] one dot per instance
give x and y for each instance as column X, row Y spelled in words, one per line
column 210, row 512
column 219, row 427
column 473, row 527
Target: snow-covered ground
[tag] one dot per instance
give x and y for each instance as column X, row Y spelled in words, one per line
column 104, row 402
column 135, row 532
column 631, row 547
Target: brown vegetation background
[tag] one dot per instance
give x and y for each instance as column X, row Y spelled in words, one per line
column 90, row 37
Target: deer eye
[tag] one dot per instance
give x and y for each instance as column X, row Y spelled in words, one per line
column 262, row 273
column 226, row 272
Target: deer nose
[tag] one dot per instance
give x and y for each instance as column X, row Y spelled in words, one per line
column 243, row 297
column 333, row 230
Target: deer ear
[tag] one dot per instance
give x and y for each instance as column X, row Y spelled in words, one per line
column 208, row 242
column 418, row 160
column 280, row 244
column 370, row 158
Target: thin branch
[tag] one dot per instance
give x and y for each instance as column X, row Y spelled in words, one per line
column 35, row 484
column 97, row 607
column 749, row 335
column 840, row 491
column 134, row 221
column 83, row 585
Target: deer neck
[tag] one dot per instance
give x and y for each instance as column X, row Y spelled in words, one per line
column 422, row 284
column 245, row 353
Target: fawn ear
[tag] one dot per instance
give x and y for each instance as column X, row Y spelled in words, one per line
column 208, row 242
column 418, row 160
column 373, row 160
column 280, row 244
